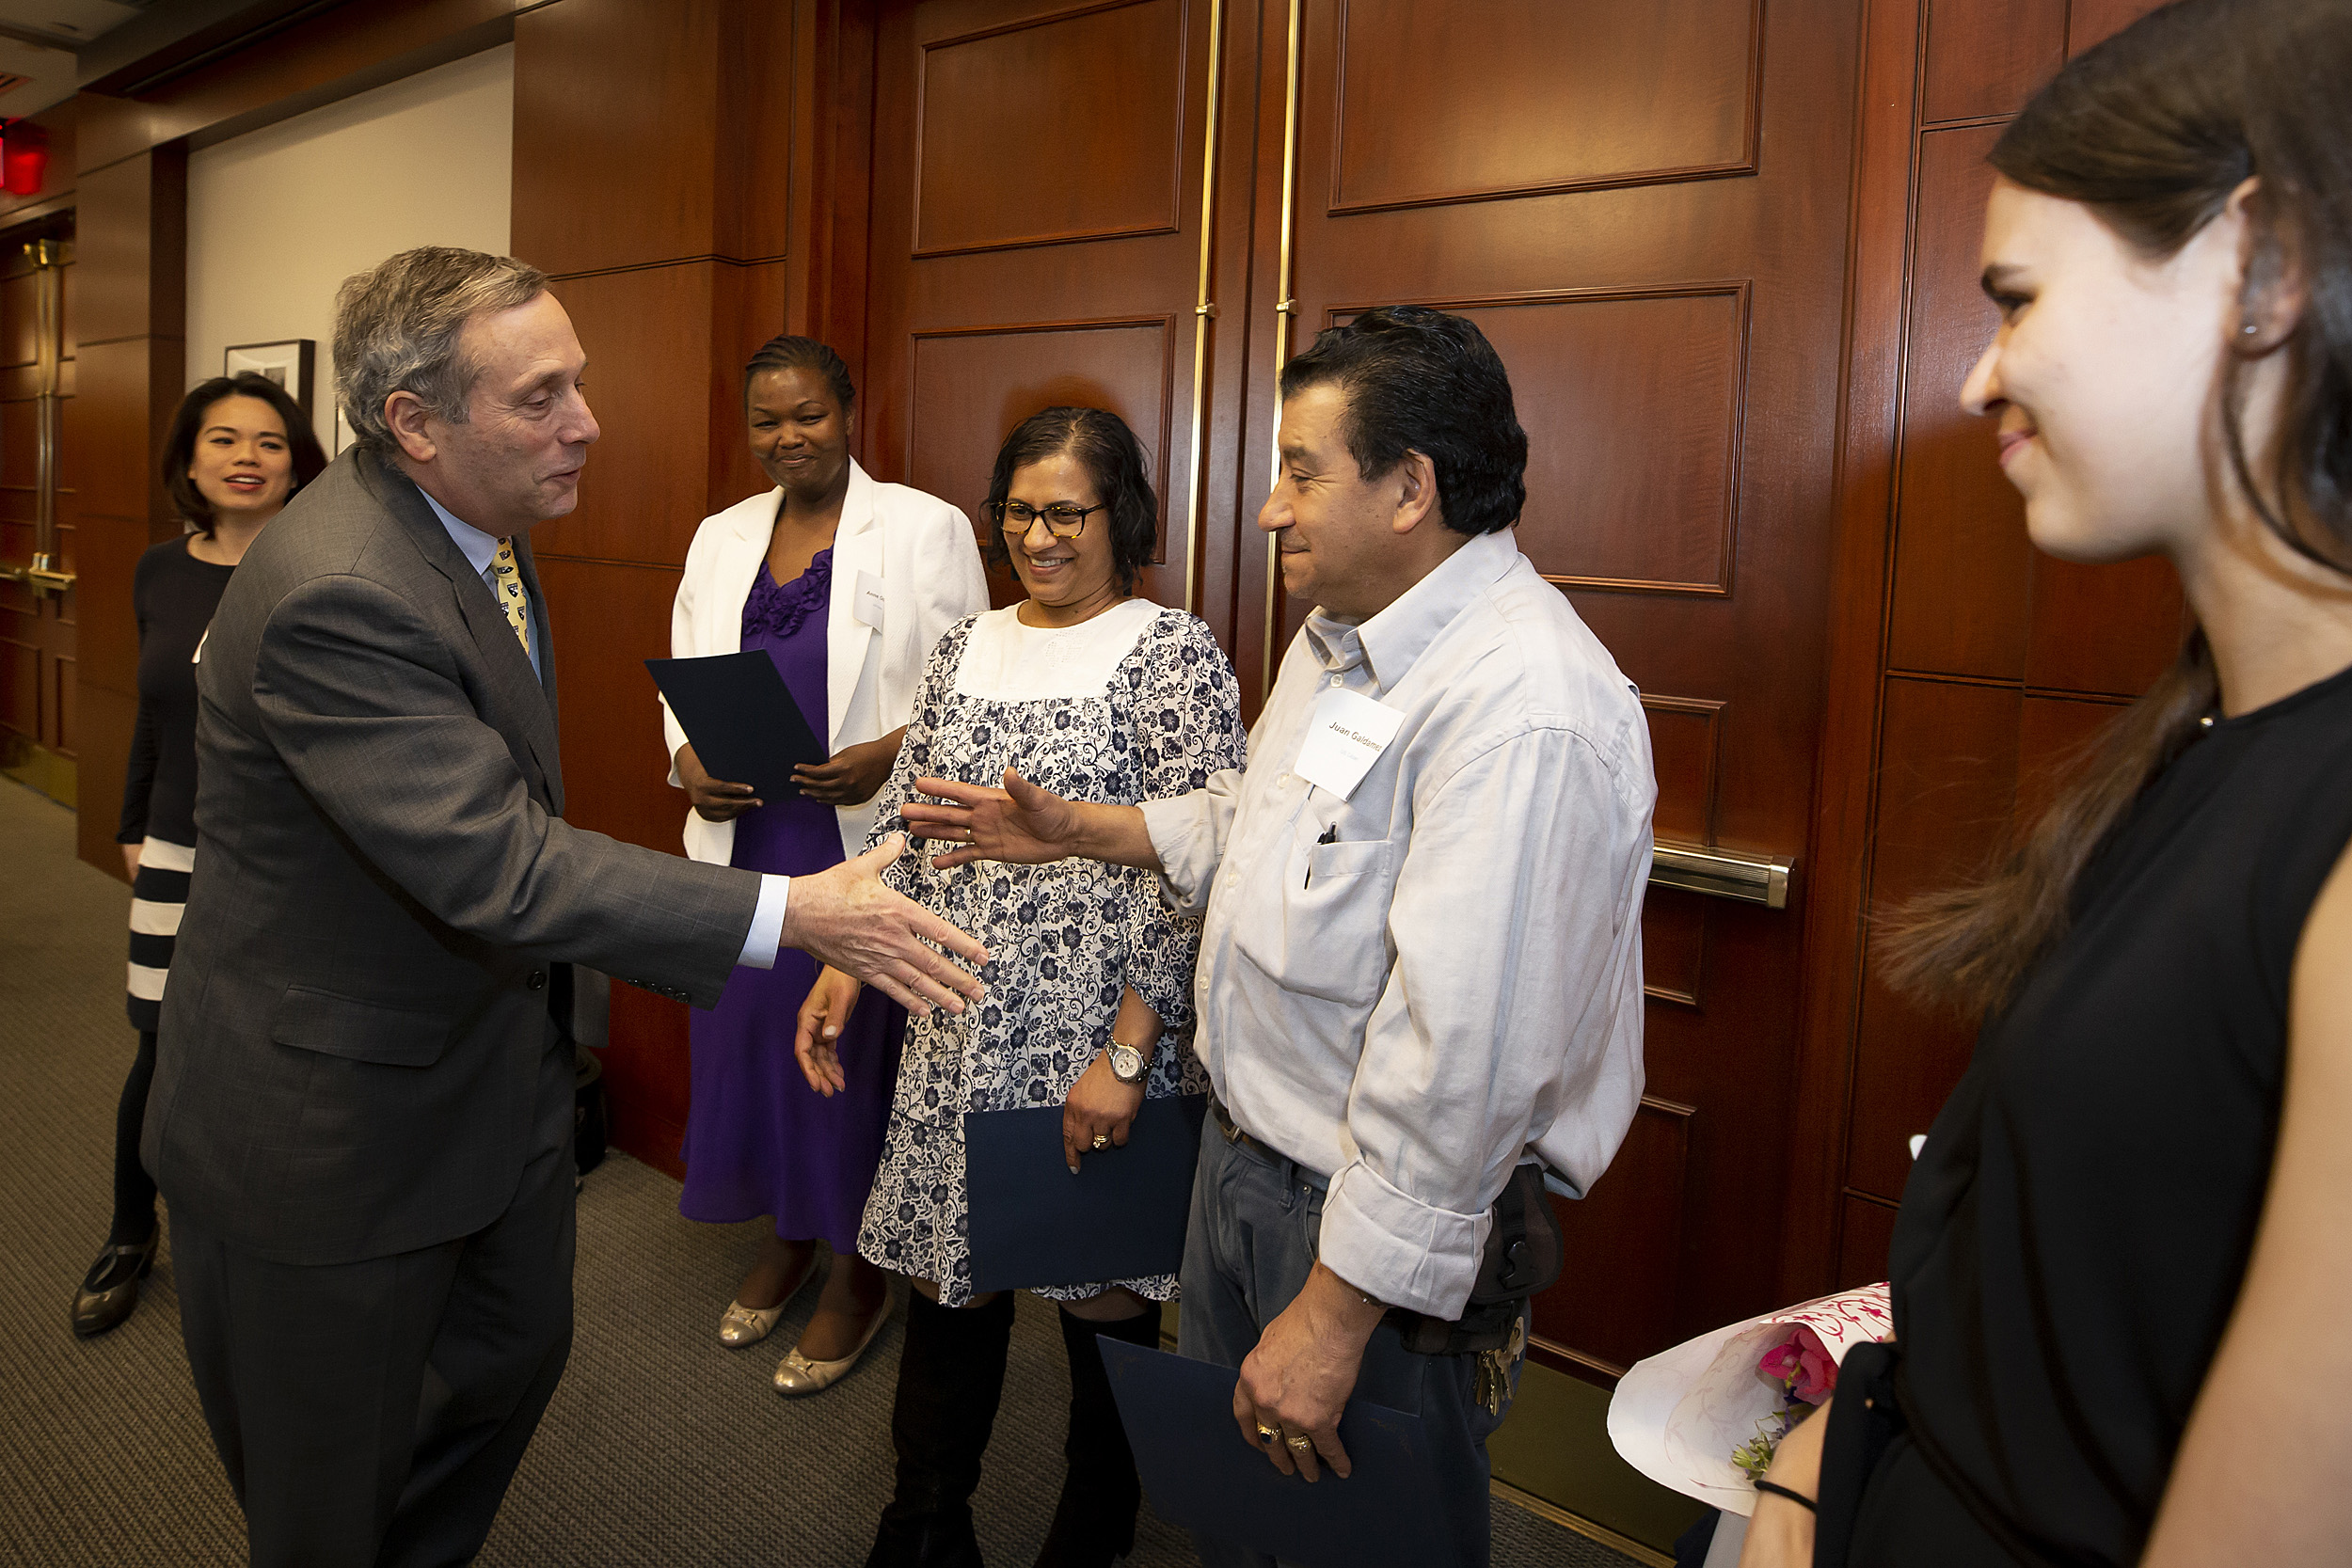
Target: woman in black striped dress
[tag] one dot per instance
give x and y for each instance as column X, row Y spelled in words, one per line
column 239, row 448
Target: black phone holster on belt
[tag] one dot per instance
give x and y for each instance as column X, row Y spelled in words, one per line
column 1523, row 1256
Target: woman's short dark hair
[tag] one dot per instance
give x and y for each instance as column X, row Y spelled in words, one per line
column 1421, row 380
column 1112, row 457
column 309, row 458
column 788, row 352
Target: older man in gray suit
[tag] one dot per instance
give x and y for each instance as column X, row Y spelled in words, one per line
column 362, row 1111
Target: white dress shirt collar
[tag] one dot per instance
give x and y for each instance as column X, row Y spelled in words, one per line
column 1392, row 642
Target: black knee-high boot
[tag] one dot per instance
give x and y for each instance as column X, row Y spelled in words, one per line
column 952, row 1374
column 1095, row 1520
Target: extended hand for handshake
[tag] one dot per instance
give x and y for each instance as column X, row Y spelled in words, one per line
column 845, row 917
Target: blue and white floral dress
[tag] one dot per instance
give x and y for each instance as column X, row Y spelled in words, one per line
column 1138, row 704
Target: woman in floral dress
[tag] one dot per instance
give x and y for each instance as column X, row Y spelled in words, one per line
column 1097, row 695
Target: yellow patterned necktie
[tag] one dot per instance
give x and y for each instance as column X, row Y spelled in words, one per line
column 506, row 582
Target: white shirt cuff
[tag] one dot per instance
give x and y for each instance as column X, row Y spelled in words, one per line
column 1392, row 1246
column 1184, row 838
column 767, row 932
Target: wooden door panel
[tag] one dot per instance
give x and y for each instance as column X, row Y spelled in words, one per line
column 2090, row 22
column 971, row 385
column 1987, row 56
column 1537, row 97
column 1037, row 239
column 1625, row 1242
column 1630, row 201
column 1051, row 128
column 2112, row 627
column 1961, row 555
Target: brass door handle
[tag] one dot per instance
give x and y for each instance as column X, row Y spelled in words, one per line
column 1743, row 879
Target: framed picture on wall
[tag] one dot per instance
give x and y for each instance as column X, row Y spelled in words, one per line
column 287, row 362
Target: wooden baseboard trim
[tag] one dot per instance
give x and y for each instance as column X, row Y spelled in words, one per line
column 1591, row 1531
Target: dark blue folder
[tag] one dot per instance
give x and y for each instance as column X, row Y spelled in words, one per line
column 1120, row 1217
column 741, row 719
column 1201, row 1476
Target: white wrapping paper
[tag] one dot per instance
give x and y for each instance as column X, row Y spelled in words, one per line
column 1677, row 1415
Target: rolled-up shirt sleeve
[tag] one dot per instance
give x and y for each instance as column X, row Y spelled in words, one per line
column 1188, row 834
column 1510, row 926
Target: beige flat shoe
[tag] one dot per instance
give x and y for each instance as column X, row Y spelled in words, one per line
column 741, row 1325
column 796, row 1375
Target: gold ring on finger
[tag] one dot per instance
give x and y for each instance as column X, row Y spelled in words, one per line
column 1267, row 1434
column 1101, row 1140
column 1299, row 1444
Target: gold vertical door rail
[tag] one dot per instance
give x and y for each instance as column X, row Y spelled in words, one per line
column 1204, row 310
column 49, row 368
column 1284, row 309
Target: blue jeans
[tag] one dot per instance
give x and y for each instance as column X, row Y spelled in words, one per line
column 1256, row 1220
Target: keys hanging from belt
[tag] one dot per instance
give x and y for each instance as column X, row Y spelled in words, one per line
column 1491, row 1383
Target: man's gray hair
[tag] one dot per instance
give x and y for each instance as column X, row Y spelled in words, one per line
column 397, row 326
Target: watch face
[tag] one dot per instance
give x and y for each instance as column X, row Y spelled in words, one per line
column 1126, row 1063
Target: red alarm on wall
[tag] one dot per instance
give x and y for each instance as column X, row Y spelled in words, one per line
column 24, row 157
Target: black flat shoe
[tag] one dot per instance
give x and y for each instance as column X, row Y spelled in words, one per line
column 111, row 1288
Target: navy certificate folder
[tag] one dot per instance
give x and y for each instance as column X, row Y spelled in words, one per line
column 1200, row 1475
column 1120, row 1217
column 744, row 724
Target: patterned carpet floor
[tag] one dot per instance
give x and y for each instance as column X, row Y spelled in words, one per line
column 662, row 1447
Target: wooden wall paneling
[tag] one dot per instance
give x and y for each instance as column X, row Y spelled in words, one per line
column 682, row 106
column 2054, row 736
column 606, row 619
column 1948, row 787
column 1666, row 339
column 1879, row 222
column 2091, row 21
column 19, row 675
column 1659, row 372
column 1082, row 104
column 2111, row 628
column 1961, row 555
column 130, row 282
column 1862, row 1250
column 1986, row 57
column 1541, row 98
column 831, row 181
column 983, row 259
column 647, row 1078
column 1600, row 1323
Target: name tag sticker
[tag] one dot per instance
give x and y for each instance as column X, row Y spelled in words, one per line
column 869, row 599
column 1344, row 737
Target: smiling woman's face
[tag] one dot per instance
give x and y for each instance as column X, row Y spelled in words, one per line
column 799, row 433
column 243, row 464
column 2101, row 374
column 1061, row 573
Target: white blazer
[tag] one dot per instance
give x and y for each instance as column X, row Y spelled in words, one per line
column 920, row 553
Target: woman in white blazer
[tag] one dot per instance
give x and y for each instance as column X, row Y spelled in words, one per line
column 846, row 584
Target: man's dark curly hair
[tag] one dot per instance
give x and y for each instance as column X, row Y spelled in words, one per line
column 1421, row 380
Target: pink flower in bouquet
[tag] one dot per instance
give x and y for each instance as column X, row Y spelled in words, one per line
column 1804, row 1363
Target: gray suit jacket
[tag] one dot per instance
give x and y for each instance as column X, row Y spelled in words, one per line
column 358, row 1013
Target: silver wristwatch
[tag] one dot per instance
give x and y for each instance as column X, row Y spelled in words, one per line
column 1129, row 1064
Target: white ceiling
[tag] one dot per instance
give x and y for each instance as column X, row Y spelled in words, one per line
column 71, row 22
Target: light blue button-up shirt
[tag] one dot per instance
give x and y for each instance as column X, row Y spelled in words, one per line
column 480, row 549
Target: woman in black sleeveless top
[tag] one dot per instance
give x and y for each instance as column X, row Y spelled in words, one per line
column 2122, row 1270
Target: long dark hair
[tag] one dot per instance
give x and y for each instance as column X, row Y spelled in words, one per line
column 302, row 443
column 2152, row 130
column 1113, row 458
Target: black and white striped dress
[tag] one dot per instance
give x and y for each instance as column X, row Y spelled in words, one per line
column 173, row 596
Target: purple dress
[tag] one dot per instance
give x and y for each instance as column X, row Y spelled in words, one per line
column 758, row 1139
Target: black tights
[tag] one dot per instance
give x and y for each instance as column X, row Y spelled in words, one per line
column 135, row 1190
